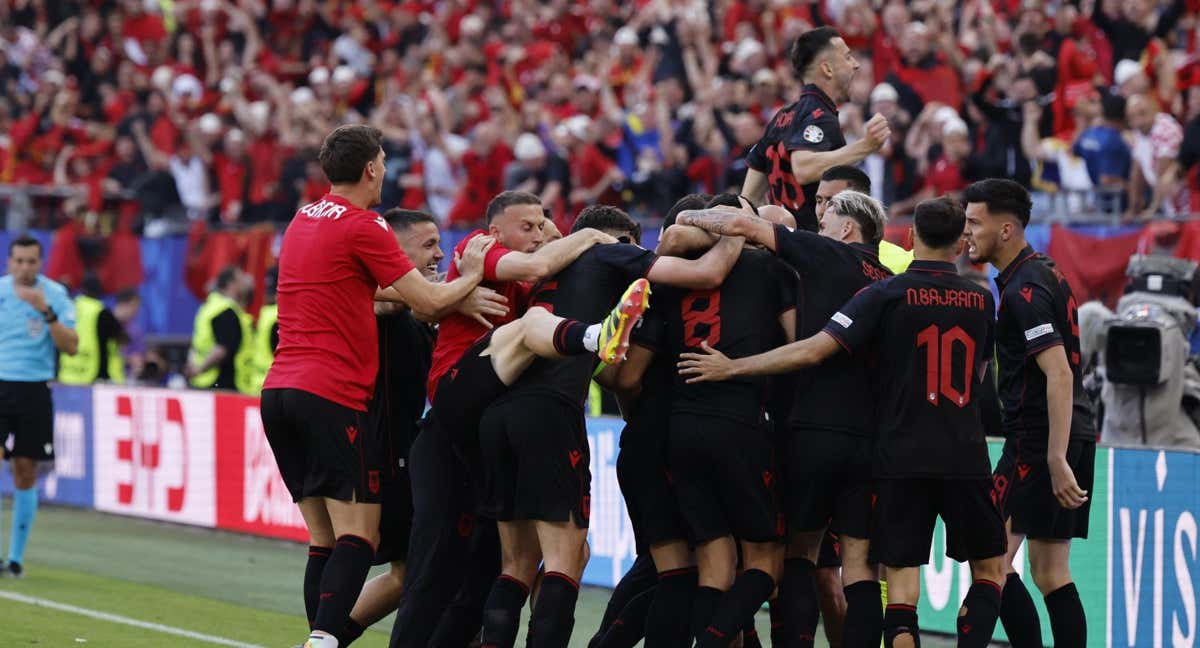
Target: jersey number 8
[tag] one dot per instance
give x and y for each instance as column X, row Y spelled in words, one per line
column 709, row 315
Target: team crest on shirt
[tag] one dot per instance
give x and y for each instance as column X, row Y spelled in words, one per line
column 814, row 134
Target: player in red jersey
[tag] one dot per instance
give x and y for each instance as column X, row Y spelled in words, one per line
column 335, row 256
column 447, row 542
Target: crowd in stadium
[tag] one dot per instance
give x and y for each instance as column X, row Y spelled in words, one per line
column 214, row 109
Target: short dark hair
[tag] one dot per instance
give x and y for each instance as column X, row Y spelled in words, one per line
column 855, row 178
column 607, row 217
column 1028, row 43
column 729, row 200
column 506, row 199
column 90, row 285
column 808, row 45
column 939, row 222
column 401, row 219
column 690, row 201
column 1002, row 196
column 1113, row 107
column 227, row 276
column 347, row 150
column 24, row 240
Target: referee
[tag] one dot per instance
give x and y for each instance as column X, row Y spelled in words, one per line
column 37, row 320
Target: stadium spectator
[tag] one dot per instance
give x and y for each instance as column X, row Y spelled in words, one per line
column 1157, row 137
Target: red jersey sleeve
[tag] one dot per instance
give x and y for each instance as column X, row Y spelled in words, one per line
column 491, row 260
column 376, row 247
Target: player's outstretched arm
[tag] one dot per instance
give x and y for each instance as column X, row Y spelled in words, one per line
column 808, row 166
column 681, row 240
column 425, row 296
column 1060, row 385
column 550, row 259
column 704, row 273
column 755, row 186
column 714, row 366
column 730, row 221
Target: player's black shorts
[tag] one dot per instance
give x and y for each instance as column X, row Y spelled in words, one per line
column 642, row 475
column 464, row 392
column 27, row 414
column 828, row 482
column 323, row 449
column 535, row 460
column 831, row 551
column 724, row 479
column 1021, row 488
column 908, row 508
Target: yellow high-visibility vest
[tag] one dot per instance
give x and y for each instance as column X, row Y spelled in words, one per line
column 203, row 341
column 83, row 368
column 264, row 354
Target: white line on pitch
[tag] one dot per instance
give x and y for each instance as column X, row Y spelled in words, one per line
column 116, row 618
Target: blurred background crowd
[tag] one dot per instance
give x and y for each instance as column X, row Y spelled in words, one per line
column 147, row 115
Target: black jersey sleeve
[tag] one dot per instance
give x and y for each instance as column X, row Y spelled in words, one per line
column 632, row 260
column 1033, row 307
column 756, row 158
column 818, row 134
column 651, row 332
column 854, row 324
column 785, row 285
column 806, row 252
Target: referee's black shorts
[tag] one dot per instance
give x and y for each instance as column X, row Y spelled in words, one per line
column 324, row 449
column 27, row 416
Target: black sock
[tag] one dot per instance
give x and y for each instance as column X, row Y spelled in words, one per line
column 978, row 614
column 1067, row 620
column 630, row 625
column 1019, row 616
column 667, row 620
column 317, row 558
column 750, row 635
column 750, row 590
column 778, row 623
column 342, row 582
column 568, row 337
column 553, row 616
column 352, row 632
column 898, row 620
column 704, row 606
column 863, row 627
column 798, row 595
column 640, row 578
column 502, row 612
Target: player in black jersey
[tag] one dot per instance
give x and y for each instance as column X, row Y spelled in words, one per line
column 542, row 500
column 643, row 386
column 1045, row 474
column 825, row 449
column 929, row 331
column 804, row 139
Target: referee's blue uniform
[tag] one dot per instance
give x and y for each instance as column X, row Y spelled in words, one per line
column 27, row 356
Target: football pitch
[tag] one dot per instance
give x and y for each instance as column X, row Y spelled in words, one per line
column 95, row 580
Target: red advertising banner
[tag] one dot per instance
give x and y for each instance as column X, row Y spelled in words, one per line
column 251, row 496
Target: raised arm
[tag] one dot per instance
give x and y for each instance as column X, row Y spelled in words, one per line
column 714, row 366
column 704, row 273
column 808, row 166
column 550, row 259
column 754, row 187
column 728, row 221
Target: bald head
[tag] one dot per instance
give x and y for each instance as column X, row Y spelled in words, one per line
column 777, row 215
column 1140, row 112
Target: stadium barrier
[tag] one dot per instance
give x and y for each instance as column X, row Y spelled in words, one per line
column 200, row 458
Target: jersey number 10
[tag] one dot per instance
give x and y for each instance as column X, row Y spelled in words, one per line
column 939, row 352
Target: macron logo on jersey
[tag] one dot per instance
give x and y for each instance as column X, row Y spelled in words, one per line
column 324, row 209
column 382, row 223
column 1038, row 331
column 842, row 319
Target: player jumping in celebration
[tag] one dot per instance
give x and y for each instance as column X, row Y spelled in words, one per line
column 336, row 254
column 542, row 501
column 1044, row 476
column 931, row 332
column 804, row 139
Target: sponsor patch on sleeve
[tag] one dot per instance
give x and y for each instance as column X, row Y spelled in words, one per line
column 1038, row 331
column 814, row 134
column 842, row 319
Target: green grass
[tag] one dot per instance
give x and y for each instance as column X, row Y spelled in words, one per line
column 216, row 583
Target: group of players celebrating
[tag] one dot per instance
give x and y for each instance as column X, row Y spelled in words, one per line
column 792, row 401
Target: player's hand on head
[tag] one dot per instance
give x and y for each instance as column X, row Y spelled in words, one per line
column 710, row 366
column 603, row 238
column 1062, row 482
column 483, row 302
column 471, row 260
